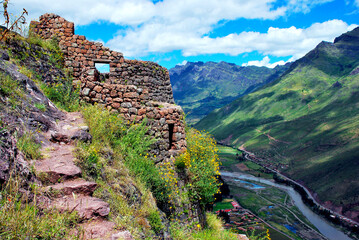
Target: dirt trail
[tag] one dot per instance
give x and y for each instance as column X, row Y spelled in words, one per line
column 62, row 179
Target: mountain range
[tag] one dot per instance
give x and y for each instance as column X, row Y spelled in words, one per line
column 202, row 87
column 305, row 123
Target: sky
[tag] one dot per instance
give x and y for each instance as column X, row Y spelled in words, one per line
column 172, row 32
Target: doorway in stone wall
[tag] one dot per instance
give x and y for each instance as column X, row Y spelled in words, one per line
column 170, row 136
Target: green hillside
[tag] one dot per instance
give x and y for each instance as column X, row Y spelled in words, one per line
column 201, row 87
column 305, row 123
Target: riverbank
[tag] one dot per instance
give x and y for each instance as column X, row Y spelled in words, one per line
column 351, row 226
column 235, row 160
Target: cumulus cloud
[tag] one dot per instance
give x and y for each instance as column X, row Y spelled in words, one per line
column 280, row 42
column 265, row 62
column 185, row 25
column 136, row 12
column 82, row 12
column 356, row 3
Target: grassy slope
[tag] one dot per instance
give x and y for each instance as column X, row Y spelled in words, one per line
column 316, row 124
column 202, row 87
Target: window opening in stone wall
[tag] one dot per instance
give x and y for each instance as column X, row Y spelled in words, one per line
column 102, row 67
column 170, row 129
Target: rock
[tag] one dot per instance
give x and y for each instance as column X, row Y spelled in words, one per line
column 87, row 207
column 132, row 111
column 12, row 159
column 98, row 89
column 82, row 136
column 58, row 165
column 85, row 128
column 4, row 55
column 125, row 235
column 74, row 186
column 86, row 91
column 58, row 138
column 126, row 105
column 98, row 229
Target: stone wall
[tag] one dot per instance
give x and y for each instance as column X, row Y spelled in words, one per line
column 137, row 90
column 80, row 53
column 131, row 102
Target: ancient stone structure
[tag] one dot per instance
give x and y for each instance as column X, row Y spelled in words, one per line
column 138, row 90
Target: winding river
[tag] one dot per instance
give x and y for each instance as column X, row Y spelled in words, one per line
column 322, row 225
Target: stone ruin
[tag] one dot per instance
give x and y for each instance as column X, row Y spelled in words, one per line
column 135, row 89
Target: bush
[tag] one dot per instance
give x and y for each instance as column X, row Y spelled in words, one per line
column 155, row 221
column 202, row 164
column 28, row 146
column 11, row 90
column 63, row 94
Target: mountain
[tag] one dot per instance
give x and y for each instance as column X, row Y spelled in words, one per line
column 201, row 87
column 305, row 123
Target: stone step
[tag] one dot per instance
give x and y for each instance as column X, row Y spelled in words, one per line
column 58, row 164
column 98, row 229
column 87, row 207
column 77, row 186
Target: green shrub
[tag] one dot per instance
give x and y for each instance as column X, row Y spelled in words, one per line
column 40, row 106
column 155, row 221
column 63, row 94
column 202, row 163
column 11, row 89
column 133, row 145
column 28, row 146
column 214, row 231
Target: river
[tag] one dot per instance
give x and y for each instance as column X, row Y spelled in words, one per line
column 320, row 223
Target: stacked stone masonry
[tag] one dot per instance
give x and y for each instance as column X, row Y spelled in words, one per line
column 137, row 90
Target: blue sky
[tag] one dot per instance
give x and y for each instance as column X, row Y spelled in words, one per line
column 170, row 32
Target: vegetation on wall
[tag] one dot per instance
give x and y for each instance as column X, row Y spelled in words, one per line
column 202, row 165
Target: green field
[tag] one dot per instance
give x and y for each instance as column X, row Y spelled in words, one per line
column 268, row 205
column 230, row 161
column 222, row 205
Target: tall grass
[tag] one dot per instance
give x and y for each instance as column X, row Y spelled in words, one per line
column 28, row 146
column 11, row 90
column 64, row 95
column 128, row 179
column 214, row 231
column 20, row 218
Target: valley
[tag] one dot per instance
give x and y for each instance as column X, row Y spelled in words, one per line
column 202, row 87
column 304, row 124
column 280, row 206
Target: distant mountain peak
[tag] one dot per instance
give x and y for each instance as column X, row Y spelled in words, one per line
column 348, row 37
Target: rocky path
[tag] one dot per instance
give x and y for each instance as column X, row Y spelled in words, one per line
column 62, row 180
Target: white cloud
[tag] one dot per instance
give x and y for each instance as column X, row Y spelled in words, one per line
column 157, row 37
column 356, row 3
column 305, row 5
column 265, row 62
column 185, row 25
column 135, row 12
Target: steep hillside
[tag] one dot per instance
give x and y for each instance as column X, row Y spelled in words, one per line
column 305, row 123
column 202, row 87
column 90, row 174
